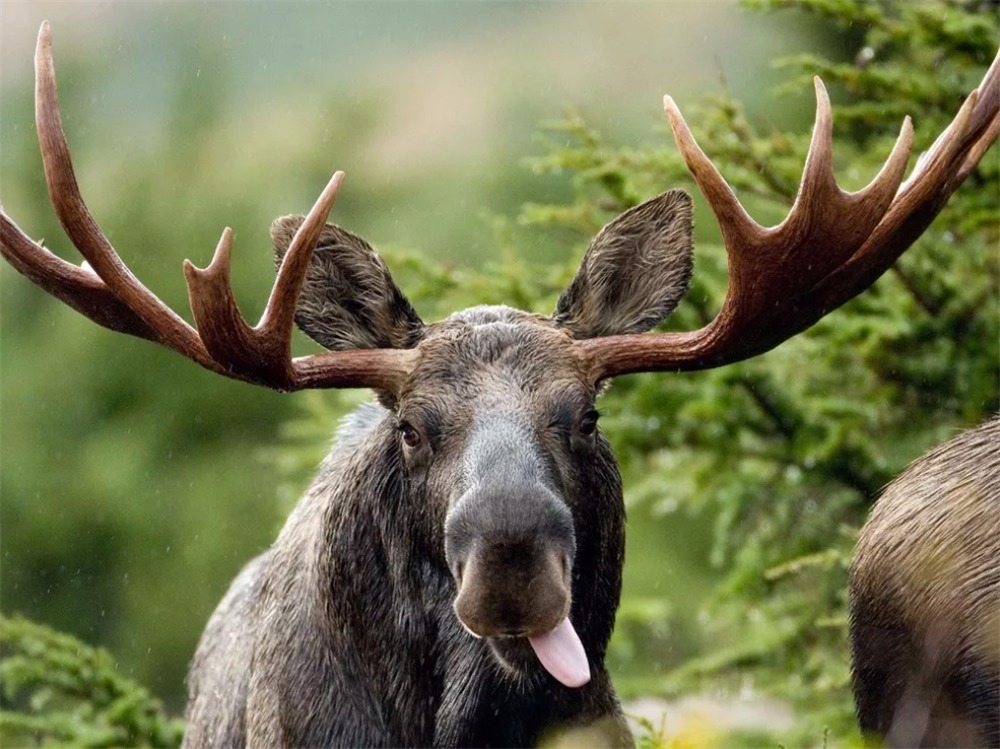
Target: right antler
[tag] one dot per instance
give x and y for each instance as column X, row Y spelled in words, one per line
column 107, row 292
column 831, row 247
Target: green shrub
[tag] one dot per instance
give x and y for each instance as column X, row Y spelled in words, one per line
column 57, row 691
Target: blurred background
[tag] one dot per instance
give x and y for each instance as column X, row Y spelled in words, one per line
column 135, row 485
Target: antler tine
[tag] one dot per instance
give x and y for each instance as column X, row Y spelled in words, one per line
column 80, row 225
column 80, row 288
column 831, row 246
column 942, row 152
column 733, row 219
column 221, row 326
column 280, row 309
column 979, row 148
column 264, row 351
column 988, row 99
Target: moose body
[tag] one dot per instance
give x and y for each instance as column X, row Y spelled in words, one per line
column 925, row 600
column 452, row 576
column 344, row 633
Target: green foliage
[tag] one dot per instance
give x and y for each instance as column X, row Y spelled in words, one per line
column 57, row 691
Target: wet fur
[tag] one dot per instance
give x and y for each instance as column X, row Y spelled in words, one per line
column 634, row 272
column 925, row 600
column 349, row 299
column 344, row 632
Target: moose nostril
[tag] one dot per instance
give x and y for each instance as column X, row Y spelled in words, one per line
column 512, row 591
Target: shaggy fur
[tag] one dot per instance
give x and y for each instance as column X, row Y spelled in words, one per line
column 925, row 600
column 635, row 271
column 347, row 631
column 348, row 300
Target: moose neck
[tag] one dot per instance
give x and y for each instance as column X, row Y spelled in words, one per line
column 376, row 570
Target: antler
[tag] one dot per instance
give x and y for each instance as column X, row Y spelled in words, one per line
column 832, row 246
column 107, row 292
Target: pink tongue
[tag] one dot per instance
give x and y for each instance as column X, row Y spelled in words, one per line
column 562, row 655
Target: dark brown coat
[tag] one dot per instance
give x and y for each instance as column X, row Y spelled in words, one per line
column 466, row 512
column 925, row 600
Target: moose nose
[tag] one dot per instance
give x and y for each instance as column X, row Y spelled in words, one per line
column 513, row 590
column 509, row 543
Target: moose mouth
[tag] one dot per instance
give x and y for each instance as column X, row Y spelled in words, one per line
column 559, row 651
column 510, row 551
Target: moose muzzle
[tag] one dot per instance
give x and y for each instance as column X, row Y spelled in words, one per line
column 511, row 549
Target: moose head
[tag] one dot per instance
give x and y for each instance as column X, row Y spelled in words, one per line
column 487, row 444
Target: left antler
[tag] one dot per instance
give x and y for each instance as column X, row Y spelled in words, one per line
column 107, row 292
column 832, row 246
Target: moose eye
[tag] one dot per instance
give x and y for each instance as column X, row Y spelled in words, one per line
column 588, row 425
column 411, row 437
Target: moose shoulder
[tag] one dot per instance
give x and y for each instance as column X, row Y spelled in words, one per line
column 452, row 575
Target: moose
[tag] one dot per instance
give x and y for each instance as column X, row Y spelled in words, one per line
column 451, row 577
column 925, row 600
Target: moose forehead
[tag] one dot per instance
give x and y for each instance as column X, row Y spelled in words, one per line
column 495, row 356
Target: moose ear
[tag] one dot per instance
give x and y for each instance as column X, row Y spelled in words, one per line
column 635, row 271
column 348, row 300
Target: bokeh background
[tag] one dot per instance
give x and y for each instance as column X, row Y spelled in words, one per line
column 134, row 485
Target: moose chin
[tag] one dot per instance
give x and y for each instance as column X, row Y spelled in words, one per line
column 452, row 575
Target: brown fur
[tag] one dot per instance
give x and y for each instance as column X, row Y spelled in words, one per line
column 474, row 508
column 635, row 271
column 348, row 300
column 925, row 600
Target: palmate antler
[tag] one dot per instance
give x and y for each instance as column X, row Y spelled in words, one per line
column 832, row 246
column 107, row 292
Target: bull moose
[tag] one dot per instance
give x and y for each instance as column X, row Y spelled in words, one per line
column 451, row 577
